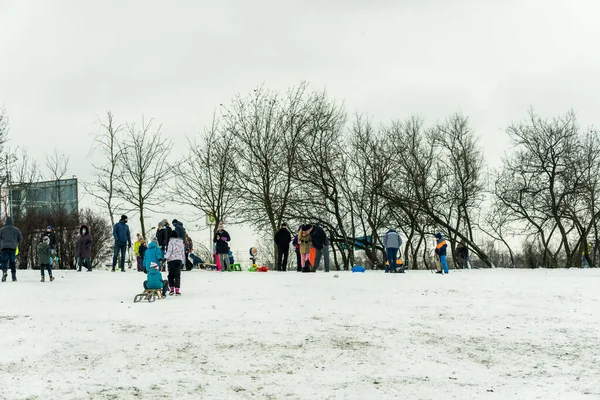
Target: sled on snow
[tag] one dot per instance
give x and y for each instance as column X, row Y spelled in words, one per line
column 149, row 294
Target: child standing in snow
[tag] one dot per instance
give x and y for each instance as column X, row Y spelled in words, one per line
column 175, row 259
column 305, row 243
column 136, row 251
column 44, row 254
column 440, row 251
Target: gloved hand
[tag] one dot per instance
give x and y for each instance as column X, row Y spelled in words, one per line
column 224, row 239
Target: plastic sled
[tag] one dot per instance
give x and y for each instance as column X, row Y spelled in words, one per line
column 149, row 294
column 358, row 268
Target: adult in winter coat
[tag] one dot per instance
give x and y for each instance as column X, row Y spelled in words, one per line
column 162, row 235
column 222, row 251
column 440, row 251
column 175, row 259
column 178, row 227
column 304, row 242
column 152, row 255
column 44, row 254
column 321, row 243
column 462, row 254
column 155, row 280
column 223, row 233
column 392, row 242
column 283, row 237
column 49, row 233
column 10, row 237
column 122, row 241
column 83, row 249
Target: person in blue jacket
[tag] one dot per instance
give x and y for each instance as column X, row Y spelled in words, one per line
column 152, row 255
column 155, row 280
column 440, row 251
column 122, row 241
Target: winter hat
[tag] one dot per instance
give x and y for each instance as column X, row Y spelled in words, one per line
column 165, row 221
column 49, row 227
column 153, row 265
column 174, row 234
column 284, row 224
column 124, row 217
column 438, row 236
column 161, row 224
column 138, row 235
column 174, row 222
column 155, row 239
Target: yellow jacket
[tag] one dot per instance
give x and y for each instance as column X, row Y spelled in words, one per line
column 136, row 247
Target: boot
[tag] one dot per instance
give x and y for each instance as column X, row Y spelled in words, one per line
column 171, row 291
column 177, row 292
column 14, row 278
column 4, row 274
column 113, row 270
column 43, row 279
column 51, row 278
column 79, row 270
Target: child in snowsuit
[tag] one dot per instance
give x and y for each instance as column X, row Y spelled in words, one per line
column 440, row 251
column 155, row 280
column 44, row 253
column 136, row 250
column 175, row 259
column 305, row 242
column 152, row 255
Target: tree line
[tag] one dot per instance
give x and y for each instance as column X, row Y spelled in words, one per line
column 298, row 156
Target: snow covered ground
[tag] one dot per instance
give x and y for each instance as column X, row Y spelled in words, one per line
column 479, row 334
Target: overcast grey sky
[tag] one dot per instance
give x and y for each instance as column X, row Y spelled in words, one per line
column 63, row 63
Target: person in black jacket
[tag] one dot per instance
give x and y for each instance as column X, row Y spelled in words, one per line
column 283, row 237
column 221, row 241
column 462, row 254
column 321, row 243
column 178, row 226
column 163, row 234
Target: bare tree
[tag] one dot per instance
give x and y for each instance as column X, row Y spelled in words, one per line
column 267, row 129
column 549, row 182
column 420, row 158
column 372, row 171
column 206, row 181
column 106, row 175
column 323, row 173
column 144, row 168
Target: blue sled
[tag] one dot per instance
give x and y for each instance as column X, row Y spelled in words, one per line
column 358, row 268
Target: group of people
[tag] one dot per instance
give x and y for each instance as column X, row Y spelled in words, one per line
column 311, row 236
column 308, row 237
column 11, row 238
column 167, row 251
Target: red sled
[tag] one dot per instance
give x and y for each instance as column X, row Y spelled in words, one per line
column 262, row 269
